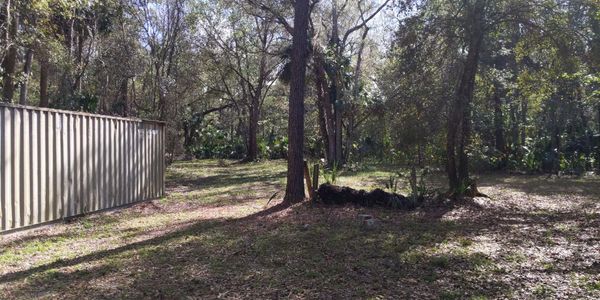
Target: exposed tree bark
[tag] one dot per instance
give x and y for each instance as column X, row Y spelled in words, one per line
column 258, row 91
column 420, row 159
column 523, row 120
column 44, row 81
column 465, row 137
column 80, row 39
column 325, row 107
column 253, row 119
column 295, row 183
column 10, row 61
column 336, row 90
column 459, row 118
column 352, row 118
column 499, row 140
column 124, row 97
column 321, row 118
column 26, row 75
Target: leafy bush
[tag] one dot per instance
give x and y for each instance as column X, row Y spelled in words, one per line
column 79, row 102
column 275, row 149
column 331, row 175
column 216, row 143
column 484, row 158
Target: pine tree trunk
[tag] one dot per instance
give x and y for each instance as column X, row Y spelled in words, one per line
column 124, row 96
column 43, row 82
column 78, row 85
column 321, row 102
column 459, row 120
column 465, row 140
column 498, row 122
column 252, row 154
column 10, row 61
column 523, row 125
column 451, row 134
column 326, row 122
column 295, row 175
column 336, row 89
column 338, row 131
column 26, row 75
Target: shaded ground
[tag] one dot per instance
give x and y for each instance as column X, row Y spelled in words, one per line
column 214, row 237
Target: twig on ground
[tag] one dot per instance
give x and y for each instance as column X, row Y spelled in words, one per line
column 272, row 197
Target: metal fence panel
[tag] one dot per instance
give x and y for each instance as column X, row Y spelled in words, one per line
column 56, row 164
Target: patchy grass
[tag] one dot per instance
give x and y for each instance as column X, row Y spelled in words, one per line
column 214, row 236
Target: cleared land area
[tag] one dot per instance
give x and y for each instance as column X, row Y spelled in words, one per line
column 214, row 236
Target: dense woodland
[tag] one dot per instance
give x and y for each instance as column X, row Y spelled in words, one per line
column 461, row 86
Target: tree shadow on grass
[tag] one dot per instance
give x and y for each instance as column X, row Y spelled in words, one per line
column 302, row 252
column 231, row 187
column 541, row 185
column 194, row 229
column 219, row 181
column 279, row 252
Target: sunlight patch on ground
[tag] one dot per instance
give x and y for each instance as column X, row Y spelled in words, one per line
column 531, row 239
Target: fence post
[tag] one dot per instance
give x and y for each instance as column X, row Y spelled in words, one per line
column 315, row 180
column 308, row 182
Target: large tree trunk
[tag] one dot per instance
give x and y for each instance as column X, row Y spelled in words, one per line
column 514, row 126
column 43, row 81
column 355, row 95
column 459, row 119
column 452, row 131
column 295, row 180
column 326, row 120
column 337, row 101
column 338, row 130
column 465, row 140
column 523, row 117
column 78, row 85
column 10, row 61
column 322, row 122
column 499, row 140
column 26, row 75
column 124, row 96
column 253, row 131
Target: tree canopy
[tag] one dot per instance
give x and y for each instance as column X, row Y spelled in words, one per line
column 462, row 86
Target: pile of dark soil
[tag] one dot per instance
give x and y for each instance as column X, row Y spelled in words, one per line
column 339, row 195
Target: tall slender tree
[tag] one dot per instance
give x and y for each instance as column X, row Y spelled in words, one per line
column 9, row 63
column 295, row 182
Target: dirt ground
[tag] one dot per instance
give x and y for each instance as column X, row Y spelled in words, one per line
column 214, row 236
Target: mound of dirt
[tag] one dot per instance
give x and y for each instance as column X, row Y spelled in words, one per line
column 339, row 195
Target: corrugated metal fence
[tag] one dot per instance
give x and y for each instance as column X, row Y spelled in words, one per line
column 56, row 164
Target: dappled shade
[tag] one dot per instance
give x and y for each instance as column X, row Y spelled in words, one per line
column 532, row 239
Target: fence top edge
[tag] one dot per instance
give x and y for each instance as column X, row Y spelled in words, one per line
column 79, row 113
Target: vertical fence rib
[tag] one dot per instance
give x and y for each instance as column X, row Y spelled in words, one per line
column 42, row 166
column 34, row 173
column 5, row 171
